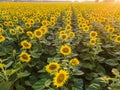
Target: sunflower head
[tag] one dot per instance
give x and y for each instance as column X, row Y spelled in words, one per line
column 86, row 28
column 30, row 34
column 1, row 26
column 111, row 30
column 60, row 78
column 53, row 66
column 74, row 62
column 27, row 25
column 65, row 50
column 12, row 32
column 20, row 29
column 38, row 33
column 24, row 57
column 25, row 44
column 44, row 29
column 93, row 34
column 68, row 27
column 93, row 41
column 117, row 39
column 64, row 36
column 2, row 38
column 72, row 34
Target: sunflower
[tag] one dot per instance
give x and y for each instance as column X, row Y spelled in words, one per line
column 12, row 31
column 30, row 34
column 53, row 66
column 25, row 44
column 15, row 18
column 74, row 62
column 2, row 38
column 68, row 27
column 65, row 50
column 64, row 36
column 31, row 21
column 107, row 27
column 93, row 41
column 60, row 78
column 44, row 29
column 111, row 30
column 86, row 28
column 20, row 29
column 93, row 34
column 62, row 32
column 37, row 20
column 38, row 33
column 24, row 19
column 25, row 57
column 27, row 25
column 6, row 23
column 84, row 25
column 117, row 39
column 90, row 26
column 44, row 22
column 113, row 36
column 10, row 23
column 72, row 34
column 80, row 25
column 52, row 18
column 1, row 26
column 52, row 23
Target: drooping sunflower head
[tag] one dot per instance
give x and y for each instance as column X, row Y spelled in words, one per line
column 25, row 44
column 107, row 27
column 113, row 36
column 12, row 32
column 2, row 38
column 1, row 26
column 117, row 39
column 86, row 28
column 74, row 62
column 72, row 34
column 60, row 78
column 93, row 34
column 24, row 57
column 20, row 29
column 65, row 50
column 44, row 29
column 38, row 33
column 30, row 34
column 53, row 66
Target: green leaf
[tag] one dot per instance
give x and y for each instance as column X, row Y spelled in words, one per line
column 116, row 72
column 48, row 82
column 93, row 86
column 100, row 69
column 23, row 74
column 39, row 85
column 5, row 85
column 35, row 55
column 9, row 64
column 78, row 72
column 78, row 84
column 112, row 62
column 19, row 87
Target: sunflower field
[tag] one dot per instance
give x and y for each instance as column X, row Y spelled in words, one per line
column 59, row 46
